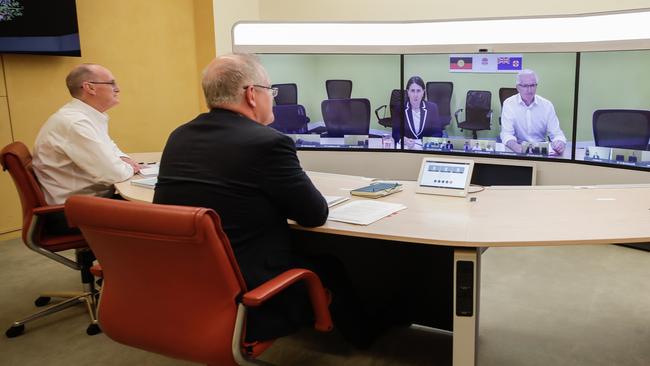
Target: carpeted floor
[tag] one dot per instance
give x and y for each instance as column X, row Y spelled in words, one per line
column 575, row 305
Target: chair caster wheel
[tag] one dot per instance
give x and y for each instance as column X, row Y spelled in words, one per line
column 15, row 331
column 93, row 329
column 42, row 301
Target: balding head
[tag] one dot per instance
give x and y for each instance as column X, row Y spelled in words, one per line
column 80, row 74
column 224, row 78
column 94, row 85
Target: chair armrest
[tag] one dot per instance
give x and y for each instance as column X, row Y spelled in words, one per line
column 457, row 113
column 377, row 111
column 317, row 294
column 97, row 271
column 46, row 210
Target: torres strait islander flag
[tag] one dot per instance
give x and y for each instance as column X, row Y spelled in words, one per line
column 460, row 63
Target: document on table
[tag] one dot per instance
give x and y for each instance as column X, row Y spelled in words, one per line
column 145, row 182
column 364, row 212
column 150, row 170
column 335, row 200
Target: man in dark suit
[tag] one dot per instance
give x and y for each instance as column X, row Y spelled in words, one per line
column 230, row 161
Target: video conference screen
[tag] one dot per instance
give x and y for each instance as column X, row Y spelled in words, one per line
column 470, row 104
column 613, row 123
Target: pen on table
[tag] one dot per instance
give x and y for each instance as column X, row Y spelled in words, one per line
column 143, row 163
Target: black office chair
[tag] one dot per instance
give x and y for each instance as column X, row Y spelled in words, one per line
column 478, row 112
column 290, row 118
column 287, row 94
column 505, row 93
column 440, row 92
column 346, row 116
column 622, row 128
column 338, row 89
column 396, row 100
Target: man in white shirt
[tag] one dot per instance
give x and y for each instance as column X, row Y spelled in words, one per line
column 529, row 117
column 73, row 153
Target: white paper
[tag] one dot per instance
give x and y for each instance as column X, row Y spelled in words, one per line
column 335, row 200
column 364, row 212
column 149, row 171
column 145, row 182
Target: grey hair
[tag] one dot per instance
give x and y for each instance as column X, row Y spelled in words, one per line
column 526, row 72
column 224, row 78
column 77, row 76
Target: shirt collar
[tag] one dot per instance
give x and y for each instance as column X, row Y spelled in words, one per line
column 77, row 103
column 521, row 101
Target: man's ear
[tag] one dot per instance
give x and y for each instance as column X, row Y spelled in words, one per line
column 250, row 97
column 88, row 88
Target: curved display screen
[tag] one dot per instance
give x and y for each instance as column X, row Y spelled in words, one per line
column 586, row 106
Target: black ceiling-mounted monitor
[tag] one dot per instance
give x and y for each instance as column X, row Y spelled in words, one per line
column 39, row 27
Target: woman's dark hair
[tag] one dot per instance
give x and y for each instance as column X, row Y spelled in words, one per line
column 417, row 80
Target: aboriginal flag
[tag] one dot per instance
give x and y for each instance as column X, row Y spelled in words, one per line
column 460, row 63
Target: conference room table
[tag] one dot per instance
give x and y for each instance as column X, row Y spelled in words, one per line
column 492, row 217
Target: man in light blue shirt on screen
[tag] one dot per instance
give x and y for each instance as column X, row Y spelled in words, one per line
column 529, row 117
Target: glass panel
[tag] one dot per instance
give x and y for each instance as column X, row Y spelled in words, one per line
column 358, row 121
column 613, row 117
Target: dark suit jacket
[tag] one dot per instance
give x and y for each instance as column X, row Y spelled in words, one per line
column 429, row 119
column 250, row 175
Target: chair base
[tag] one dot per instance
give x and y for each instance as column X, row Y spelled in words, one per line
column 89, row 298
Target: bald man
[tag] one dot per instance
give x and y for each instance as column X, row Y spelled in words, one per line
column 73, row 153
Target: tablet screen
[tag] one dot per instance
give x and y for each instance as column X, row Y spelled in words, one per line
column 445, row 176
column 439, row 174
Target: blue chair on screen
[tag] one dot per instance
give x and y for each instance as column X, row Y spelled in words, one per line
column 287, row 94
column 346, row 116
column 478, row 112
column 338, row 89
column 622, row 128
column 440, row 92
column 290, row 118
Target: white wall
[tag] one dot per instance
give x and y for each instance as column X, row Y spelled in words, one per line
column 226, row 14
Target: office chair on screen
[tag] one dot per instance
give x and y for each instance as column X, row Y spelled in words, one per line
column 172, row 284
column 440, row 93
column 16, row 159
column 338, row 89
column 290, row 118
column 505, row 93
column 287, row 94
column 396, row 99
column 622, row 128
column 478, row 112
column 346, row 116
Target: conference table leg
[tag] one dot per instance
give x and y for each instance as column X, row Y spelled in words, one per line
column 467, row 275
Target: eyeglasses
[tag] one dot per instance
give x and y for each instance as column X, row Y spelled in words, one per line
column 274, row 91
column 112, row 83
column 528, row 85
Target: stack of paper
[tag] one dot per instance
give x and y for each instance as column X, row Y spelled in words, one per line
column 364, row 212
column 150, row 171
column 145, row 182
column 335, row 200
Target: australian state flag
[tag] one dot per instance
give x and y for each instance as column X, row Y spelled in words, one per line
column 509, row 63
column 460, row 63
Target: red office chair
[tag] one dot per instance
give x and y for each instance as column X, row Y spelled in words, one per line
column 172, row 284
column 16, row 158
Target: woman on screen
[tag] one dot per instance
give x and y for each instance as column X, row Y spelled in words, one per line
column 421, row 117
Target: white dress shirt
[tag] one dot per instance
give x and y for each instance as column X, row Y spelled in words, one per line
column 73, row 154
column 529, row 123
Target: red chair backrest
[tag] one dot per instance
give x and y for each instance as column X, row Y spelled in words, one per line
column 16, row 158
column 171, row 281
